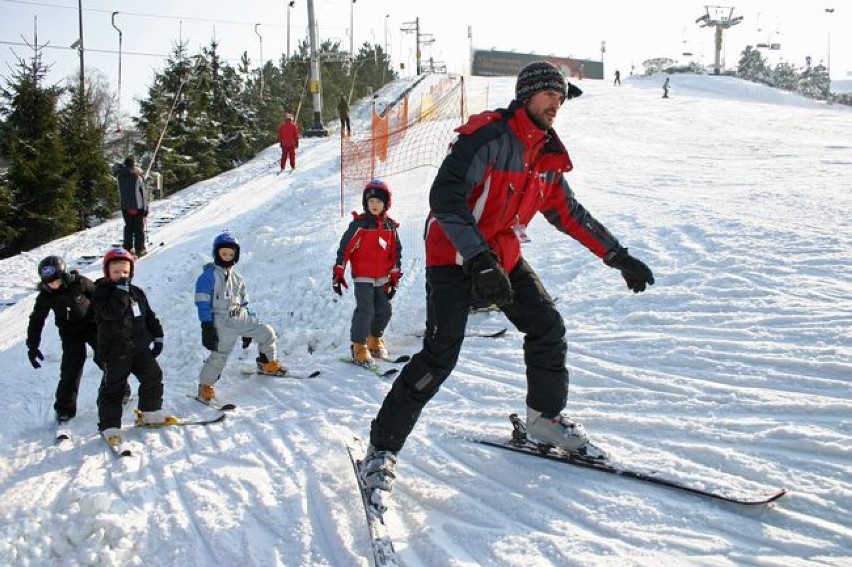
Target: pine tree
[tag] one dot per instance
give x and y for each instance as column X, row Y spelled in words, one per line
column 38, row 180
column 785, row 76
column 814, row 82
column 752, row 66
column 83, row 132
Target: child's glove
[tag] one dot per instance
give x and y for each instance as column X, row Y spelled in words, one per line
column 209, row 336
column 338, row 279
column 123, row 284
column 157, row 347
column 34, row 354
column 393, row 283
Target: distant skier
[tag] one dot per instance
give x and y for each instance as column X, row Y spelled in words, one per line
column 223, row 308
column 69, row 296
column 288, row 139
column 133, row 193
column 666, row 88
column 617, row 81
column 503, row 168
column 130, row 338
column 343, row 111
column 372, row 247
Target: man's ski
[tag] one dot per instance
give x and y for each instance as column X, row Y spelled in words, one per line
column 374, row 368
column 520, row 444
column 475, row 334
column 380, row 542
column 253, row 370
column 183, row 422
column 216, row 404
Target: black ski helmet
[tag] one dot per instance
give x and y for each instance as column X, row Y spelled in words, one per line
column 52, row 268
column 226, row 240
column 377, row 189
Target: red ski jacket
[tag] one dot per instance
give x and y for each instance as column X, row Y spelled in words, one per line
column 288, row 134
column 501, row 171
column 371, row 244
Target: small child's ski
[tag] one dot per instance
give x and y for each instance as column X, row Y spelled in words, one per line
column 118, row 447
column 252, row 370
column 216, row 404
column 398, row 360
column 62, row 432
column 374, row 368
column 183, row 422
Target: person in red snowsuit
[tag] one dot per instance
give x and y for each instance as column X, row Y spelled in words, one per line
column 288, row 139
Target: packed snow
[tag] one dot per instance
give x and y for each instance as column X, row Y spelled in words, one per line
column 732, row 372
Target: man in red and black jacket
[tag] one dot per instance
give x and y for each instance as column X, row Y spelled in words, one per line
column 505, row 166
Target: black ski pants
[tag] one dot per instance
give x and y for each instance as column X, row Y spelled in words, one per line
column 114, row 383
column 448, row 301
column 134, row 231
column 71, row 368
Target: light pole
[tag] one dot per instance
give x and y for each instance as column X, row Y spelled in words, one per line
column 352, row 34
column 828, row 11
column 118, row 119
column 261, row 58
column 80, row 47
column 289, row 5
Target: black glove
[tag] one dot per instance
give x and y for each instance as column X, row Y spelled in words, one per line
column 157, row 347
column 489, row 282
column 634, row 271
column 123, row 284
column 209, row 336
column 246, row 342
column 34, row 354
column 390, row 290
column 572, row 91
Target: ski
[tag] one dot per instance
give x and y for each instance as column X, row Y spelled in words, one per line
column 398, row 360
column 216, row 404
column 519, row 444
column 119, row 449
column 254, row 371
column 475, row 334
column 374, row 368
column 183, row 422
column 380, row 542
column 62, row 432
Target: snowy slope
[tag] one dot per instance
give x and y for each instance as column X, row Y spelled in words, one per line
column 733, row 370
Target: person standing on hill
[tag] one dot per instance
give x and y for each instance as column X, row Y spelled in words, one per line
column 288, row 139
column 504, row 167
column 666, row 88
column 133, row 193
column 69, row 295
column 343, row 111
column 617, row 81
column 372, row 248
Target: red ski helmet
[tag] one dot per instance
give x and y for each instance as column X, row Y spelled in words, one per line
column 378, row 189
column 116, row 254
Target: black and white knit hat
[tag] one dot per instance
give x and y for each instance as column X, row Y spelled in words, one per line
column 537, row 77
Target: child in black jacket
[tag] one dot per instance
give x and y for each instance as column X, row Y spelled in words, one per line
column 126, row 328
column 69, row 296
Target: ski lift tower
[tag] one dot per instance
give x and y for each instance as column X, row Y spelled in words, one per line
column 317, row 130
column 722, row 18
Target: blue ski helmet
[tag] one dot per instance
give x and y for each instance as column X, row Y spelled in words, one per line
column 377, row 189
column 226, row 240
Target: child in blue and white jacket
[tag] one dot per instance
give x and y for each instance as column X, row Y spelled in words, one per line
column 222, row 302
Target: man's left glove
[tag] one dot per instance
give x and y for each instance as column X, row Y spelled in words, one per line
column 634, row 271
column 157, row 347
column 209, row 336
column 246, row 342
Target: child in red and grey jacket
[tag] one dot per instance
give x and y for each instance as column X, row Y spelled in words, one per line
column 371, row 244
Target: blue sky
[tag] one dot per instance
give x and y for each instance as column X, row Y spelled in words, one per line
column 632, row 31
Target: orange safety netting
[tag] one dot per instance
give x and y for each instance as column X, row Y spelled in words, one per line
column 414, row 131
